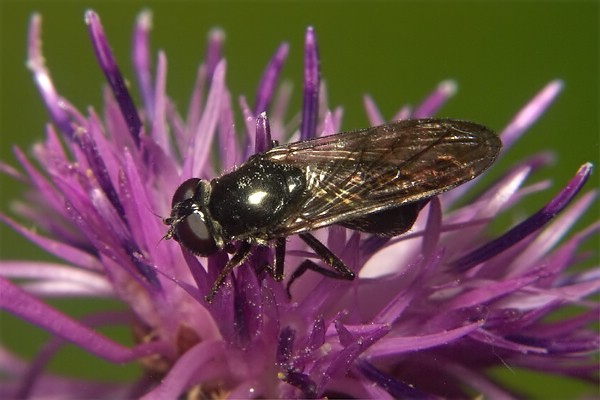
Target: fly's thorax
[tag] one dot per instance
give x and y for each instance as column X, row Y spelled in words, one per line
column 258, row 195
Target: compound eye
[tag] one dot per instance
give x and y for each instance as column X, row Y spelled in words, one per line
column 193, row 234
column 185, row 191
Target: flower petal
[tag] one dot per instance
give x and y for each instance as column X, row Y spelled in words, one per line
column 196, row 365
column 111, row 70
column 436, row 100
column 18, row 302
column 196, row 154
column 312, row 79
column 530, row 113
column 528, row 226
column 141, row 60
column 392, row 346
column 268, row 82
column 396, row 388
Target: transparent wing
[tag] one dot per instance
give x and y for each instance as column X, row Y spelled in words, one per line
column 353, row 174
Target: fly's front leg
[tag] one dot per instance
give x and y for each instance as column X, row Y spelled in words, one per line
column 238, row 259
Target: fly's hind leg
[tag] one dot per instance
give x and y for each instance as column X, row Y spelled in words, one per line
column 276, row 270
column 340, row 269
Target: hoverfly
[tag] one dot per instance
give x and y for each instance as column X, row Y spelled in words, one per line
column 374, row 180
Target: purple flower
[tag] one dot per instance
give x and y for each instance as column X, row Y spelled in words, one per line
column 432, row 311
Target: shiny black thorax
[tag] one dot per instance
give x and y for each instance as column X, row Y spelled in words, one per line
column 258, row 196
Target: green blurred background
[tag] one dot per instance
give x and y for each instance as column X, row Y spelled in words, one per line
column 500, row 54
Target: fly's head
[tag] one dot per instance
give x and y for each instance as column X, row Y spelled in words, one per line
column 189, row 222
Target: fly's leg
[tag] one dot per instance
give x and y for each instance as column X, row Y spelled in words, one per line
column 276, row 269
column 238, row 259
column 341, row 270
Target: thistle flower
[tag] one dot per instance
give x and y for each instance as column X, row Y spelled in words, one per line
column 432, row 311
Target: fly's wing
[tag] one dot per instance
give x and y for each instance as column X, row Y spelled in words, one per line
column 356, row 173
